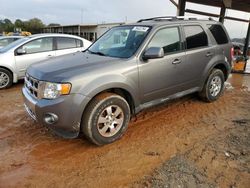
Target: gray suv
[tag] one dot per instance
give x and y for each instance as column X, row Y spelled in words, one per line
column 130, row 68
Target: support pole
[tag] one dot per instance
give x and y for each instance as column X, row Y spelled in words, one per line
column 222, row 13
column 181, row 7
column 245, row 50
column 79, row 30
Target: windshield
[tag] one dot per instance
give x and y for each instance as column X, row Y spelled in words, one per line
column 13, row 44
column 121, row 42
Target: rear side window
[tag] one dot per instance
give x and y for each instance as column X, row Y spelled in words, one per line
column 168, row 39
column 66, row 43
column 195, row 37
column 218, row 33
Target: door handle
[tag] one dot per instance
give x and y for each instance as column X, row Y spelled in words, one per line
column 49, row 56
column 176, row 61
column 209, row 54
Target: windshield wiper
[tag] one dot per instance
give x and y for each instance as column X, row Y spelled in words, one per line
column 97, row 53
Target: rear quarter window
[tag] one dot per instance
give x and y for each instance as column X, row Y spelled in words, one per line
column 79, row 43
column 219, row 33
column 66, row 43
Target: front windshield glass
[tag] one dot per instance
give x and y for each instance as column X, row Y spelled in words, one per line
column 13, row 44
column 121, row 42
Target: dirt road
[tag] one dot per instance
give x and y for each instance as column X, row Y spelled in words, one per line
column 185, row 142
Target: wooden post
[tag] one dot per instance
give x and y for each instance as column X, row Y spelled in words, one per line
column 245, row 50
column 181, row 7
column 222, row 13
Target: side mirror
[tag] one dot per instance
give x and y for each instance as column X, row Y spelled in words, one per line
column 21, row 51
column 153, row 53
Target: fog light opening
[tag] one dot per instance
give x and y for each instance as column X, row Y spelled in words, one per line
column 50, row 118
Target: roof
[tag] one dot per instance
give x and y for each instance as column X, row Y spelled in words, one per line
column 86, row 25
column 168, row 20
column 241, row 5
column 52, row 34
column 2, row 37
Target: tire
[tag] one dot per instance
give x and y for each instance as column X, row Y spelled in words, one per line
column 213, row 87
column 6, row 78
column 106, row 118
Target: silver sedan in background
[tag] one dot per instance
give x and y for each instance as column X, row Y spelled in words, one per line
column 16, row 57
column 6, row 40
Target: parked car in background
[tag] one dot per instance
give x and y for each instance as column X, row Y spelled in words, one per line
column 128, row 69
column 6, row 40
column 16, row 57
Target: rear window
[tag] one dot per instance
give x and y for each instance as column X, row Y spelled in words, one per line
column 218, row 33
column 195, row 37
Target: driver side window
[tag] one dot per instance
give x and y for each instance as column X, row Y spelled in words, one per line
column 39, row 45
column 168, row 39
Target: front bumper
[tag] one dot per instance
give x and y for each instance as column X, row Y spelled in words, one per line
column 68, row 108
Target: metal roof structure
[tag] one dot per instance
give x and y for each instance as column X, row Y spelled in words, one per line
column 240, row 5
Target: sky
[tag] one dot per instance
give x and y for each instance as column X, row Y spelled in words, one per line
column 67, row 12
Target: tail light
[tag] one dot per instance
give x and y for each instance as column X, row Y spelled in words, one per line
column 232, row 52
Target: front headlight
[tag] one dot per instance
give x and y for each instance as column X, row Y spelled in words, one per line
column 54, row 90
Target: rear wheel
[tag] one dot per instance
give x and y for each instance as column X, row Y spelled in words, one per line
column 6, row 78
column 213, row 87
column 106, row 118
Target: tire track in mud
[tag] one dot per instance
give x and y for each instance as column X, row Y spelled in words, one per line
column 154, row 136
column 219, row 160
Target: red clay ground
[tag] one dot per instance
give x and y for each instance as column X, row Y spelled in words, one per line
column 184, row 143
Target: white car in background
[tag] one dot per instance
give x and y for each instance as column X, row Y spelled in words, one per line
column 6, row 40
column 16, row 57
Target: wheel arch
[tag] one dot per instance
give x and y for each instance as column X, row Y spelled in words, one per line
column 7, row 69
column 119, row 91
column 223, row 68
column 14, row 75
column 219, row 64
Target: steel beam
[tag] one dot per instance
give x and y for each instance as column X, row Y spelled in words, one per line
column 181, row 7
column 245, row 50
column 222, row 13
column 174, row 3
column 201, row 13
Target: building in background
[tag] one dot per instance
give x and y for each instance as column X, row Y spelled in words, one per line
column 90, row 32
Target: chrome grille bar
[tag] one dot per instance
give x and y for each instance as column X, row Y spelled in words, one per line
column 31, row 85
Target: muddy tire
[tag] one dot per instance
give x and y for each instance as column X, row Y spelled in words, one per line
column 106, row 118
column 213, row 87
column 6, row 78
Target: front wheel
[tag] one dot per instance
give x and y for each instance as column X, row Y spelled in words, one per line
column 6, row 78
column 213, row 87
column 106, row 118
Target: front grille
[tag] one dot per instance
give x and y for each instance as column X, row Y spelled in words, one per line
column 32, row 85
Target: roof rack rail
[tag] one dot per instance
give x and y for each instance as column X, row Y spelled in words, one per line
column 173, row 18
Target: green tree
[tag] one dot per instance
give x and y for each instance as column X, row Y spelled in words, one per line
column 6, row 25
column 19, row 24
column 1, row 26
column 34, row 25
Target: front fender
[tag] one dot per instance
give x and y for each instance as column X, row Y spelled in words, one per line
column 7, row 61
column 109, row 82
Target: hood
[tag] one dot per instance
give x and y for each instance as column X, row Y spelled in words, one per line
column 64, row 67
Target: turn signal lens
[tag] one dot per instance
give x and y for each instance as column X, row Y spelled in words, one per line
column 65, row 90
